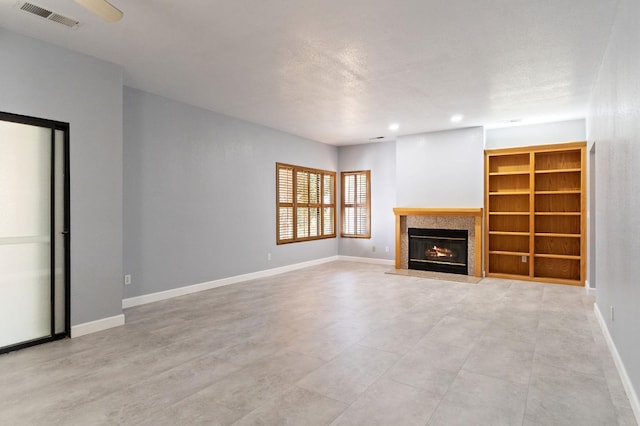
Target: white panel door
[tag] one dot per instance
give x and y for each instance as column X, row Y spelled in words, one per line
column 25, row 233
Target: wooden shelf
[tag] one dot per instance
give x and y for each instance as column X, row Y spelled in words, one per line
column 551, row 234
column 510, row 193
column 507, row 276
column 509, row 253
column 516, row 173
column 563, row 192
column 556, row 256
column 535, row 198
column 559, row 171
column 558, row 213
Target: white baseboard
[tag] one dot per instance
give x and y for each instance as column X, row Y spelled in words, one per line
column 194, row 288
column 591, row 291
column 97, row 325
column 622, row 371
column 371, row 260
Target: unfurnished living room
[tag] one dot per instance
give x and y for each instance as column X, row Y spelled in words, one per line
column 319, row 213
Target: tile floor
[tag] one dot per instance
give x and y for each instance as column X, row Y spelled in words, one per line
column 341, row 344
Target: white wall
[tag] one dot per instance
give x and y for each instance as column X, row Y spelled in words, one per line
column 41, row 80
column 614, row 126
column 380, row 159
column 536, row 134
column 442, row 169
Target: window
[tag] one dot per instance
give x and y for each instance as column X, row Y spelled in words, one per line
column 356, row 204
column 306, row 204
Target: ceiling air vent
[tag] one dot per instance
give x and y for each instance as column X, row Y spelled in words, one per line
column 47, row 14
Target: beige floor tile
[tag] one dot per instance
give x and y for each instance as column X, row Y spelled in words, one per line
column 510, row 360
column 349, row 374
column 571, row 350
column 513, row 327
column 244, row 392
column 457, row 331
column 561, row 396
column 399, row 349
column 387, row 402
column 475, row 399
column 431, row 366
column 192, row 411
column 295, row 407
column 399, row 338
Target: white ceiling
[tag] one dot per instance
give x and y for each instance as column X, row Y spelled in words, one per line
column 340, row 71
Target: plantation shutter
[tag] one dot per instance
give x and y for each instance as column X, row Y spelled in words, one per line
column 305, row 203
column 285, row 203
column 356, row 204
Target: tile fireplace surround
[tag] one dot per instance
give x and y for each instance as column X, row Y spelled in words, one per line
column 453, row 218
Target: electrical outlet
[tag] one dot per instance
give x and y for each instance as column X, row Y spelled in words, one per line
column 386, row 249
column 612, row 317
column 268, row 256
column 127, row 279
column 373, row 249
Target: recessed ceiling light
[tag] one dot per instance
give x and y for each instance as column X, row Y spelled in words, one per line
column 457, row 118
column 394, row 126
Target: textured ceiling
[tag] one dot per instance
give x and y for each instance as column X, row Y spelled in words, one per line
column 341, row 71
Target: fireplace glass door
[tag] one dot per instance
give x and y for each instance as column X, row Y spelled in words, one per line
column 438, row 250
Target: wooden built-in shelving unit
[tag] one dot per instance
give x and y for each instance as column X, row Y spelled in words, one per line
column 535, row 204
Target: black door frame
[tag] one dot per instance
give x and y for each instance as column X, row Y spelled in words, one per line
column 64, row 127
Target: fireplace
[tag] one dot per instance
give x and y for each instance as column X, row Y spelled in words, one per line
column 439, row 250
column 469, row 219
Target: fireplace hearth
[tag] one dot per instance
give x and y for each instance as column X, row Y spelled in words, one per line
column 438, row 250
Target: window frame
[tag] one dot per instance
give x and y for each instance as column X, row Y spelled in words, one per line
column 344, row 204
column 295, row 204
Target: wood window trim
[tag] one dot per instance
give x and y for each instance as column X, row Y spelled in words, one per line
column 325, row 210
column 366, row 233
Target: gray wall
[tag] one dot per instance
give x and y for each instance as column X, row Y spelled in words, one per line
column 380, row 158
column 442, row 169
column 41, row 80
column 536, row 134
column 613, row 124
column 199, row 197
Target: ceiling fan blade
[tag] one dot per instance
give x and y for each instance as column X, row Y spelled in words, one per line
column 103, row 9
